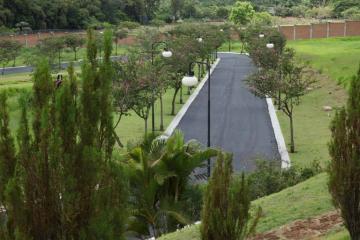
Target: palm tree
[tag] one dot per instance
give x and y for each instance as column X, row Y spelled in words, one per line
column 159, row 172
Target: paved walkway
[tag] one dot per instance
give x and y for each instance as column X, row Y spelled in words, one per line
column 240, row 122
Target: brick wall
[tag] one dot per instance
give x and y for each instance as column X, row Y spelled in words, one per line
column 336, row 29
column 352, row 28
column 302, row 31
column 288, row 31
column 319, row 30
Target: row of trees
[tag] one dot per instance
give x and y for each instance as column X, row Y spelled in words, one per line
column 279, row 76
column 139, row 82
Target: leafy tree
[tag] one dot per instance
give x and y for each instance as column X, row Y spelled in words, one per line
column 176, row 7
column 288, row 89
column 74, row 42
column 242, row 13
column 184, row 52
column 344, row 168
column 50, row 47
column 226, row 210
column 10, row 50
column 6, row 54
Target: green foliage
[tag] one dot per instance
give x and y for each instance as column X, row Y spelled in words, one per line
column 159, row 173
column 269, row 178
column 74, row 42
column 352, row 13
column 226, row 211
column 66, row 183
column 242, row 13
column 51, row 48
column 344, row 168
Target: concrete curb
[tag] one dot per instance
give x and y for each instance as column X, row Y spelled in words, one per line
column 246, row 54
column 285, row 158
column 175, row 122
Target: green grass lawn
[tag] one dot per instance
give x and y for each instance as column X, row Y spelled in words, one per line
column 67, row 55
column 337, row 57
column 305, row 200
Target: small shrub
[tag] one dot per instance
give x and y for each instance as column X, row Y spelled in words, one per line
column 269, row 178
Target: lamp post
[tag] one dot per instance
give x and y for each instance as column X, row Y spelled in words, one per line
column 190, row 81
column 166, row 53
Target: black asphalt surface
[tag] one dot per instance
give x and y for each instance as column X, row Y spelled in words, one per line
column 240, row 122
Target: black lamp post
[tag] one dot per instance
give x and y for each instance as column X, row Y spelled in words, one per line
column 190, row 80
column 166, row 54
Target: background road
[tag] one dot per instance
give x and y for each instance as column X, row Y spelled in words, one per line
column 240, row 122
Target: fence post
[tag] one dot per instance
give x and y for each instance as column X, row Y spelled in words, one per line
column 311, row 30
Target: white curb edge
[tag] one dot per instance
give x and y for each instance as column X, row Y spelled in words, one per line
column 245, row 53
column 175, row 122
column 285, row 158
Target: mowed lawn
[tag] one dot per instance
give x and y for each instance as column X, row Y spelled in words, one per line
column 307, row 199
column 338, row 58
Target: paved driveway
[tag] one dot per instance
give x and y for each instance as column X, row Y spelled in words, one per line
column 240, row 122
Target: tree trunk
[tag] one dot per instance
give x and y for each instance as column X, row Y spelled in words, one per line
column 146, row 126
column 173, row 102
column 181, row 95
column 292, row 142
column 14, row 62
column 161, row 113
column 117, row 139
column 75, row 55
column 116, row 47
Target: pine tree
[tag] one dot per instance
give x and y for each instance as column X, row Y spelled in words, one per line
column 7, row 153
column 344, row 168
column 66, row 183
column 226, row 210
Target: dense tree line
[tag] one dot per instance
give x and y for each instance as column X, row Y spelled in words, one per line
column 74, row 14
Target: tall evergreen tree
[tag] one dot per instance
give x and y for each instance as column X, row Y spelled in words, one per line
column 226, row 210
column 344, row 168
column 66, row 183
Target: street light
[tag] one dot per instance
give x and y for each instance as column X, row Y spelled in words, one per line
column 261, row 35
column 190, row 81
column 200, row 40
column 166, row 53
column 270, row 45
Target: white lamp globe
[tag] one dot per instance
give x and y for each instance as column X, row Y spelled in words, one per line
column 261, row 35
column 221, row 30
column 167, row 54
column 189, row 81
column 200, row 40
column 270, row 45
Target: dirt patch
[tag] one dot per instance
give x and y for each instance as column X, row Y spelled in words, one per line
column 311, row 228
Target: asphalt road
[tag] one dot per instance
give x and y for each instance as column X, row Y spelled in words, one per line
column 240, row 122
